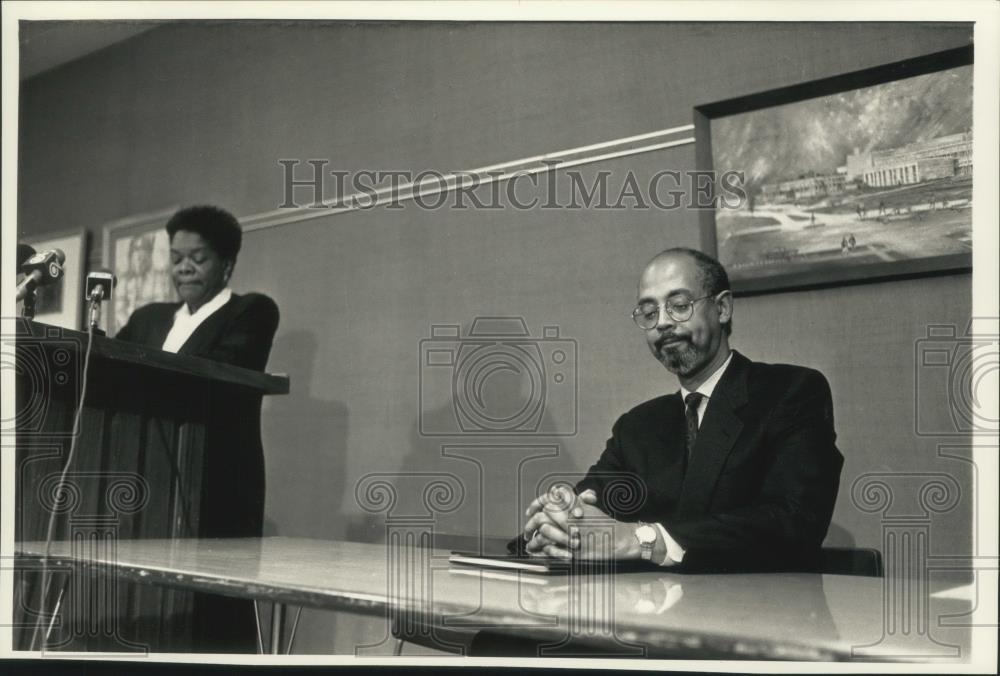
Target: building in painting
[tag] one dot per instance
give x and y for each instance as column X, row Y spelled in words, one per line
column 942, row 157
column 805, row 188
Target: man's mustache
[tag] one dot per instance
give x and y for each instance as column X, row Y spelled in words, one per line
column 667, row 337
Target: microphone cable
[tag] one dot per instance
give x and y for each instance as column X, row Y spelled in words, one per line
column 60, row 487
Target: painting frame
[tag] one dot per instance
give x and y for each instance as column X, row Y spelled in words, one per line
column 117, row 235
column 70, row 290
column 830, row 275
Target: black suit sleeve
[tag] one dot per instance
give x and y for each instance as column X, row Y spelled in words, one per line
column 620, row 491
column 247, row 339
column 792, row 511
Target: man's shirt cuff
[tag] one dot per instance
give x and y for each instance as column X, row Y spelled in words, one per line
column 675, row 553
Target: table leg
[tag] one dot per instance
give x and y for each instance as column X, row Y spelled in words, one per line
column 55, row 613
column 295, row 625
column 277, row 626
column 260, row 633
column 45, row 585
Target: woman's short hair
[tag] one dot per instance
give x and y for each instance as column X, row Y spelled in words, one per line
column 217, row 226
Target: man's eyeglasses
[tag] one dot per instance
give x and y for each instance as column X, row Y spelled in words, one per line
column 647, row 315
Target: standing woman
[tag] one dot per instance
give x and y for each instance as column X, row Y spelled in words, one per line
column 214, row 323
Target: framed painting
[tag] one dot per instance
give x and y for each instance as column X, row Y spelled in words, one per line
column 61, row 303
column 137, row 251
column 859, row 177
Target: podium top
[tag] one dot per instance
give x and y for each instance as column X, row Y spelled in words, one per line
column 147, row 357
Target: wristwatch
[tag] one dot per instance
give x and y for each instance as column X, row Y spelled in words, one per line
column 646, row 535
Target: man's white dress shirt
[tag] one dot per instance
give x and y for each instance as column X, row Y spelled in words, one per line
column 185, row 321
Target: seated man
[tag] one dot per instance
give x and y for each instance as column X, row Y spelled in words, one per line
column 737, row 471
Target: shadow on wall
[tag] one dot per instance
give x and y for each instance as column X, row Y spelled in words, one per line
column 475, row 462
column 305, row 442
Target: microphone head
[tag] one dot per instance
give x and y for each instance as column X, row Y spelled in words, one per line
column 24, row 252
column 47, row 263
column 100, row 284
column 103, row 274
column 40, row 269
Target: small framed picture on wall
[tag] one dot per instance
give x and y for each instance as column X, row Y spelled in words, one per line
column 137, row 251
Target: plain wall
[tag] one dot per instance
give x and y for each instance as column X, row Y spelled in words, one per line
column 201, row 114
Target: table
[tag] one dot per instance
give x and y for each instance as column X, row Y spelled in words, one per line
column 747, row 616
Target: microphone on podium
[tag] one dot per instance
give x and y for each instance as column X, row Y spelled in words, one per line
column 100, row 287
column 40, row 269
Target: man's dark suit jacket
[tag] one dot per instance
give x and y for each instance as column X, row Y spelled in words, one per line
column 760, row 487
column 232, row 501
column 238, row 333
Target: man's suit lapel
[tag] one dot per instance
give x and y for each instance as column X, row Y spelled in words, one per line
column 719, row 429
column 669, row 467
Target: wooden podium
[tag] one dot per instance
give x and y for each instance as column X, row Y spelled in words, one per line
column 136, row 473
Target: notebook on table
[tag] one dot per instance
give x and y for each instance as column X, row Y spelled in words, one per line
column 527, row 564
column 512, row 557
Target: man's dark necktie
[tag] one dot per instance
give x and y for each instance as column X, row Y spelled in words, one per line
column 691, row 403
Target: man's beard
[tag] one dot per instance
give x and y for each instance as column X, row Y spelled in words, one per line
column 680, row 359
